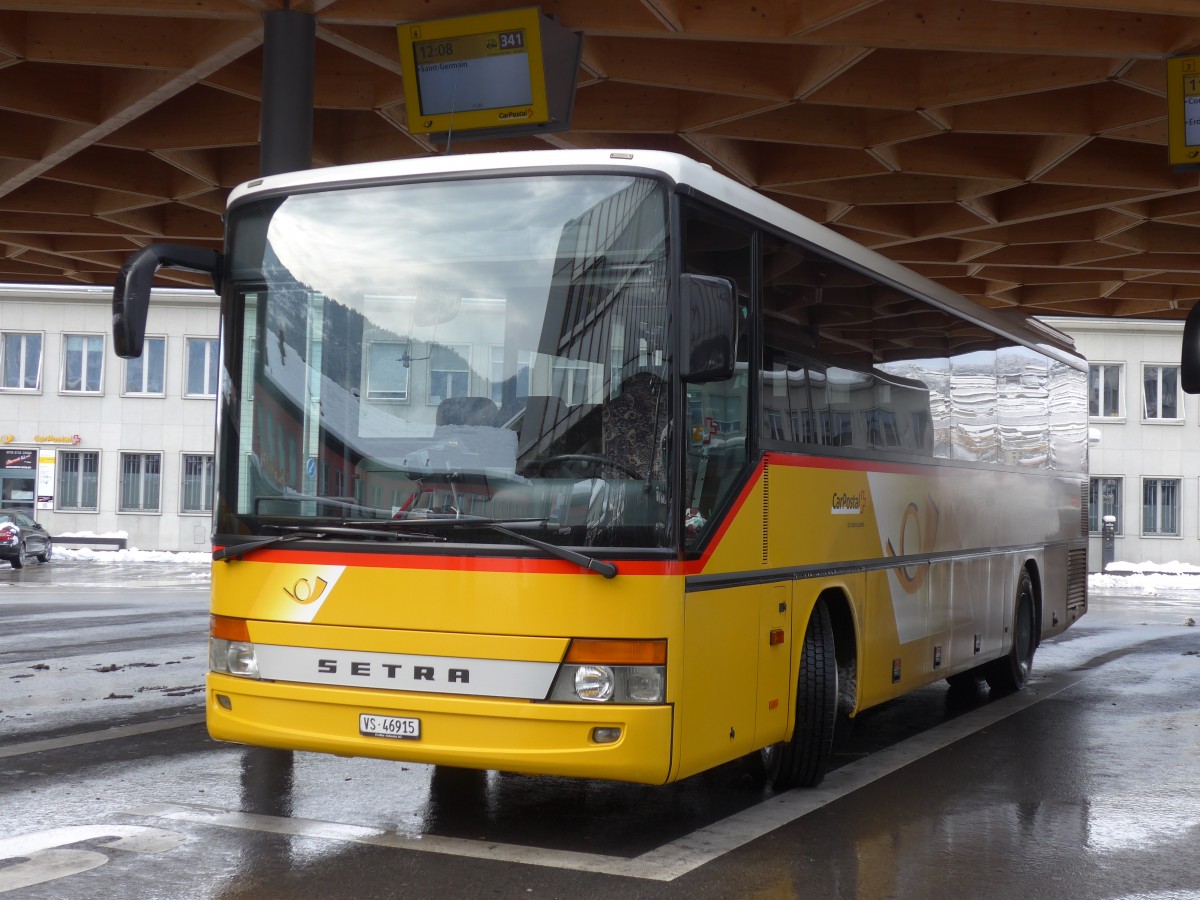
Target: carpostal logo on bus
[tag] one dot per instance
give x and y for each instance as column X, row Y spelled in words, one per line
column 849, row 504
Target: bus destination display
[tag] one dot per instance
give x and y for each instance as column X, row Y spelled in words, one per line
column 473, row 72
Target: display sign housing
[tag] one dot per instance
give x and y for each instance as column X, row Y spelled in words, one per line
column 510, row 72
column 1183, row 111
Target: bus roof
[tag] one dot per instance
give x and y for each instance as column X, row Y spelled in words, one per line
column 682, row 171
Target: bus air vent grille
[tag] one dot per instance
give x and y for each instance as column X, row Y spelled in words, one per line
column 1077, row 579
column 765, row 506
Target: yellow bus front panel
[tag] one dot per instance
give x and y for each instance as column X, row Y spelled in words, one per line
column 442, row 642
column 511, row 735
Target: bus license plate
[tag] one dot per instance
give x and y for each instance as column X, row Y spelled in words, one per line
column 390, row 727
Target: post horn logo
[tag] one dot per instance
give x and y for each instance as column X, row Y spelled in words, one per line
column 911, row 578
column 305, row 592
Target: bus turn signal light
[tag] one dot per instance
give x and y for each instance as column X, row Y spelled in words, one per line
column 617, row 652
column 228, row 629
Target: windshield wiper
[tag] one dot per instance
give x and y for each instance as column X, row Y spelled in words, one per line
column 451, row 519
column 599, row 566
column 226, row 554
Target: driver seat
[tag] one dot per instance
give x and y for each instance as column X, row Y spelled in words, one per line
column 634, row 422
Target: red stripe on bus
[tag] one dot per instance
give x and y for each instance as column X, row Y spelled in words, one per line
column 696, row 566
column 851, row 465
column 455, row 563
column 801, row 461
column 558, row 567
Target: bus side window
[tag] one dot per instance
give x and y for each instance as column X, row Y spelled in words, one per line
column 718, row 412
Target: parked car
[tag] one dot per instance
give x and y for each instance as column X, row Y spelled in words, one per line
column 21, row 537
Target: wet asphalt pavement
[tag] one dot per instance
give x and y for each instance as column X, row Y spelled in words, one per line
column 1081, row 786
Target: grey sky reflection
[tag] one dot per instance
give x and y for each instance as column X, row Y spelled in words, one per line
column 432, row 240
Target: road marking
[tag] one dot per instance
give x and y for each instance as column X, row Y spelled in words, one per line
column 44, row 859
column 671, row 860
column 92, row 737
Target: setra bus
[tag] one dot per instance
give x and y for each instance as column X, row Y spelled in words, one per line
column 601, row 464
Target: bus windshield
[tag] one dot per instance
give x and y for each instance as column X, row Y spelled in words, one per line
column 493, row 350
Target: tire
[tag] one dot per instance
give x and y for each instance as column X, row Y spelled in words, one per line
column 1011, row 672
column 803, row 760
column 18, row 561
column 46, row 553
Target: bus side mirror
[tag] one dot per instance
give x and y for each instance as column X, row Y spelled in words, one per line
column 1189, row 374
column 709, row 325
column 131, row 293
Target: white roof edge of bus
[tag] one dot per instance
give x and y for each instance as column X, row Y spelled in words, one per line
column 682, row 170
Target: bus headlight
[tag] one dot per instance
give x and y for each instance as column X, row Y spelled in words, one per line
column 612, row 671
column 646, row 684
column 594, row 683
column 232, row 657
column 230, row 650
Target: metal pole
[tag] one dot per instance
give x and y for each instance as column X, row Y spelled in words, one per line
column 289, row 41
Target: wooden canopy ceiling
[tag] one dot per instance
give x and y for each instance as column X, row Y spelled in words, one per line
column 1015, row 151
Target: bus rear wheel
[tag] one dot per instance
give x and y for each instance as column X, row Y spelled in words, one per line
column 1011, row 672
column 803, row 760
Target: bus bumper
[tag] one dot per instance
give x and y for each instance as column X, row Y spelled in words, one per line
column 480, row 733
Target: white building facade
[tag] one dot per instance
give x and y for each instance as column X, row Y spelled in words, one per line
column 1144, row 471
column 93, row 443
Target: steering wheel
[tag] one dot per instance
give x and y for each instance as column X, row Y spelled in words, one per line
column 571, row 463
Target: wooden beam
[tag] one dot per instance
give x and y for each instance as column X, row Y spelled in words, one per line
column 613, row 106
column 167, row 9
column 43, row 223
column 1119, row 164
column 1159, row 237
column 783, row 164
column 378, row 46
column 223, row 42
column 203, row 118
column 719, row 67
column 813, row 15
column 69, row 93
column 1004, row 28
column 124, row 170
column 667, row 12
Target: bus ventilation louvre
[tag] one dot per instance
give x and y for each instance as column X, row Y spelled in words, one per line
column 1077, row 559
column 766, row 506
column 1077, row 581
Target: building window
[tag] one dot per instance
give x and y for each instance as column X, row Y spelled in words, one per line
column 1105, row 500
column 387, row 370
column 78, row 480
column 569, row 380
column 449, row 371
column 141, row 478
column 83, row 363
column 197, row 483
column 1160, row 392
column 775, row 425
column 201, row 367
column 1104, row 390
column 1160, row 506
column 519, row 380
column 21, row 361
column 144, row 375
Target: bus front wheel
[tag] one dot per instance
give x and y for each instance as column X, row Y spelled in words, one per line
column 1011, row 672
column 803, row 760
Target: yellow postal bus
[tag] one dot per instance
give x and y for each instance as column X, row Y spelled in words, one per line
column 600, row 464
